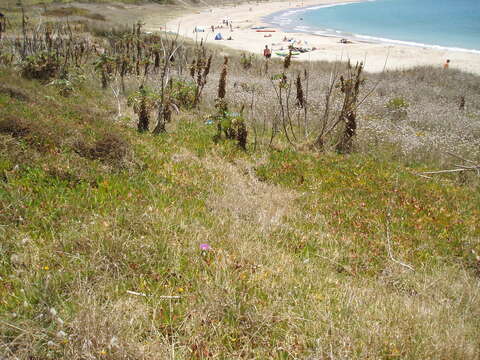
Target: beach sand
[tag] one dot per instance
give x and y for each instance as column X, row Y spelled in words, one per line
column 376, row 56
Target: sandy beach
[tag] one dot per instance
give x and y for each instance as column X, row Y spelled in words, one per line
column 246, row 16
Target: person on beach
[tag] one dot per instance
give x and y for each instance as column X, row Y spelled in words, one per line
column 267, row 52
column 447, row 63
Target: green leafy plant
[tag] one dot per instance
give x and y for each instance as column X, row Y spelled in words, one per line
column 105, row 66
column 397, row 108
column 182, row 93
column 397, row 103
column 143, row 101
column 246, row 61
column 68, row 82
column 64, row 86
column 231, row 125
column 42, row 66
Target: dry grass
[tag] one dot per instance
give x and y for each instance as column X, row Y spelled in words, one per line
column 298, row 268
column 13, row 92
column 109, row 148
column 431, row 124
column 245, row 200
column 73, row 12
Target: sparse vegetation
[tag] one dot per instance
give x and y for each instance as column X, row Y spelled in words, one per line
column 246, row 60
column 398, row 108
column 41, row 66
column 73, row 11
column 275, row 245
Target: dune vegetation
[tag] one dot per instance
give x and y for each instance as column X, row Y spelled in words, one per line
column 160, row 199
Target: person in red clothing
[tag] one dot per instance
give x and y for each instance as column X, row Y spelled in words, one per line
column 267, row 53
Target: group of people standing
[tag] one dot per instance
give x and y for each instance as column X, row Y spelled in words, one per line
column 228, row 23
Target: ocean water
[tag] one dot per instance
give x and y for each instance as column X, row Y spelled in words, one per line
column 436, row 23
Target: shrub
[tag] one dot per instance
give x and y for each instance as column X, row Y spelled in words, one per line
column 398, row 108
column 14, row 126
column 42, row 66
column 232, row 126
column 397, row 103
column 350, row 88
column 246, row 61
column 109, row 148
column 14, row 93
column 67, row 83
column 44, row 138
column 107, row 31
column 143, row 102
column 182, row 93
column 74, row 11
column 64, row 86
column 105, row 66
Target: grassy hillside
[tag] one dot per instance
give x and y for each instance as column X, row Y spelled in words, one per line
column 298, row 266
column 116, row 244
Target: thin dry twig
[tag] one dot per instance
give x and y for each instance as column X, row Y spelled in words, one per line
column 460, row 158
column 13, row 326
column 135, row 293
column 390, row 252
column 460, row 167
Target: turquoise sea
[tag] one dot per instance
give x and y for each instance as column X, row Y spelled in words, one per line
column 434, row 23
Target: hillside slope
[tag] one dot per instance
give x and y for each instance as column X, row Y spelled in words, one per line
column 116, row 245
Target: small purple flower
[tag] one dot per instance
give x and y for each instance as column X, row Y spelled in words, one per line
column 205, row 247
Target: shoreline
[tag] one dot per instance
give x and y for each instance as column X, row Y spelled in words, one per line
column 357, row 37
column 377, row 56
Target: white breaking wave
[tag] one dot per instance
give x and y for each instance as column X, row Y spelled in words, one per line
column 285, row 19
column 411, row 43
column 302, row 28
